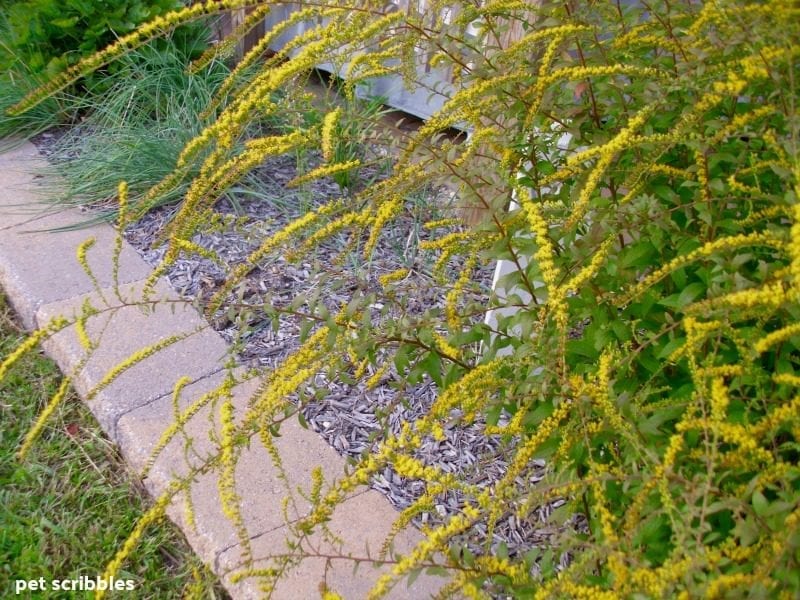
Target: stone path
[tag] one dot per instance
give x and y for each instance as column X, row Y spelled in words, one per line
column 41, row 275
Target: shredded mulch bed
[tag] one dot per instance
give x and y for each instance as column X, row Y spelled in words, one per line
column 351, row 418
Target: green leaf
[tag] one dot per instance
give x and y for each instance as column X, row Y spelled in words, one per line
column 690, row 293
column 65, row 23
column 760, row 503
column 638, row 255
column 671, row 347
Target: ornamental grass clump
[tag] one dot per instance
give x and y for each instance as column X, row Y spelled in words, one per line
column 135, row 131
column 655, row 366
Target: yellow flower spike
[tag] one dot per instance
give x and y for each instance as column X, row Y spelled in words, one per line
column 469, row 392
column 300, row 366
column 176, row 395
column 229, row 497
column 545, row 258
column 786, row 412
column 324, row 171
column 393, row 277
column 340, row 223
column 122, row 222
column 190, row 248
column 133, row 360
column 723, row 583
column 436, row 224
column 386, row 212
column 29, row 344
column 81, row 255
column 435, row 542
column 87, row 311
column 226, row 45
column 267, row 246
column 719, row 400
column 794, row 238
column 140, row 36
column 447, row 350
column 260, row 48
column 377, row 376
column 329, row 124
column 153, row 515
column 732, row 242
column 770, row 295
column 361, row 368
column 181, row 419
column 544, row 67
column 35, row 431
column 589, row 271
column 456, row 293
column 776, row 337
column 786, row 379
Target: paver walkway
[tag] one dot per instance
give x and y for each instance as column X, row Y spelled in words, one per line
column 43, row 279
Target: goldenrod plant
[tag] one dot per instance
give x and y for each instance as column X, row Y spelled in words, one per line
column 655, row 367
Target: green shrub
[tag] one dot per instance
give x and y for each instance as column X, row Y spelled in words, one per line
column 46, row 36
column 656, row 365
column 41, row 38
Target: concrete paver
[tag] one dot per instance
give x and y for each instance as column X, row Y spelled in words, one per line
column 123, row 330
column 41, row 275
column 38, row 266
column 260, row 486
column 362, row 524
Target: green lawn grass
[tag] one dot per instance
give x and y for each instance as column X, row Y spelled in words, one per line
column 69, row 506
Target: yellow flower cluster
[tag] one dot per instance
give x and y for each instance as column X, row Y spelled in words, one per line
column 30, row 343
column 445, row 348
column 122, row 222
column 190, row 248
column 324, row 171
column 376, row 377
column 702, row 175
column 776, row 337
column 719, row 400
column 87, row 311
column 328, row 131
column 153, row 515
column 607, row 521
column 81, row 255
column 456, row 292
column 435, row 541
column 794, row 237
column 731, row 242
column 606, row 153
column 578, row 73
column 386, row 211
column 450, row 244
column 389, row 278
column 470, row 393
column 259, row 49
column 229, row 497
column 36, row 429
column 769, row 295
column 267, row 246
column 788, row 411
column 545, row 258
